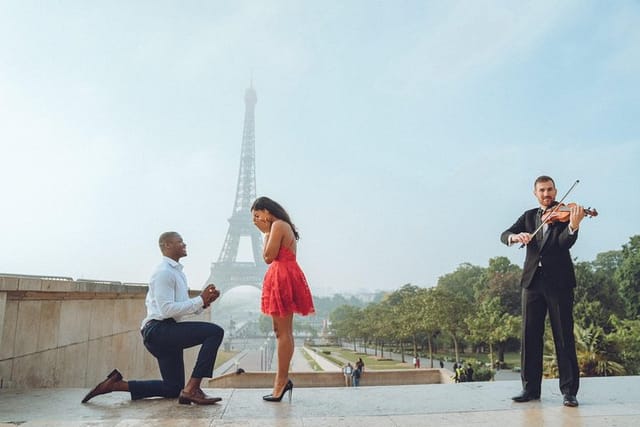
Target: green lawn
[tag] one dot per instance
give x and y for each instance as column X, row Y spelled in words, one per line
column 340, row 356
column 511, row 359
column 314, row 365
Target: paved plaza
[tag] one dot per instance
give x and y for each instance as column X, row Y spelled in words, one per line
column 613, row 401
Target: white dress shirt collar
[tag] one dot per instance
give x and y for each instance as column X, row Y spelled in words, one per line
column 173, row 263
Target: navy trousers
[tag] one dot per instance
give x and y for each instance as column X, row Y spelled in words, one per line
column 166, row 340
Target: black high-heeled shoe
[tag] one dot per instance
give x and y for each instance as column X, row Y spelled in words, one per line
column 287, row 388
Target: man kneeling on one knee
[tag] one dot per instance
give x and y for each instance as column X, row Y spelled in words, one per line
column 165, row 335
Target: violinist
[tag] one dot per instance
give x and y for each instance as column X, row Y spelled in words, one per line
column 548, row 281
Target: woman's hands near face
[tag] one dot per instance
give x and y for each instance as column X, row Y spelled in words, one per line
column 261, row 221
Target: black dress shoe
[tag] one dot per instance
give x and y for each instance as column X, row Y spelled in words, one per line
column 570, row 400
column 525, row 396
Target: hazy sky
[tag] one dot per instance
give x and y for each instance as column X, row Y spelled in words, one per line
column 403, row 137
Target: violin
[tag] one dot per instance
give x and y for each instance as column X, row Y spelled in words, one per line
column 562, row 212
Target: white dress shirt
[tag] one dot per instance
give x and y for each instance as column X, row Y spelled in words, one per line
column 168, row 294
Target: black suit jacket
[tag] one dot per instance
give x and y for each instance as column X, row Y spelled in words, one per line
column 552, row 253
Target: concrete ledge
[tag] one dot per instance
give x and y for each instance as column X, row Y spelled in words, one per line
column 56, row 332
column 334, row 379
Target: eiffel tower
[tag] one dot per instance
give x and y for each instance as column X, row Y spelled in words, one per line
column 228, row 272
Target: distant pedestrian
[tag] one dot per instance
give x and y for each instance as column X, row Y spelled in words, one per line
column 469, row 373
column 461, row 373
column 356, row 377
column 348, row 374
column 441, row 364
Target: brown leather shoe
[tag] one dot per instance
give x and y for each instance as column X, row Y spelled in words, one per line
column 198, row 397
column 105, row 386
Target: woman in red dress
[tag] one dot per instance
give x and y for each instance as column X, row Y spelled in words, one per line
column 285, row 290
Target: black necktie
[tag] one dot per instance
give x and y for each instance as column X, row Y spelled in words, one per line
column 543, row 229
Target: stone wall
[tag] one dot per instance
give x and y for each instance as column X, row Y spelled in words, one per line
column 56, row 332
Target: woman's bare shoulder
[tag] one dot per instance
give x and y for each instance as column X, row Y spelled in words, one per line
column 281, row 225
column 283, row 228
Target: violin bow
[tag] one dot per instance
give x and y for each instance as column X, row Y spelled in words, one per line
column 553, row 209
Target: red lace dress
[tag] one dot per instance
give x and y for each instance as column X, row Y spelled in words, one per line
column 285, row 289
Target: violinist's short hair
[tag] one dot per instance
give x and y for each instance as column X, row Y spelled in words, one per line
column 543, row 178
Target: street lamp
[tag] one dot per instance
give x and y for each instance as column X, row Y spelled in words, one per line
column 262, row 358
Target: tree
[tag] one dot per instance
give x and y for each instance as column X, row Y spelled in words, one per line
column 628, row 277
column 382, row 328
column 596, row 293
column 343, row 321
column 502, row 281
column 608, row 262
column 367, row 320
column 463, row 281
column 591, row 313
column 490, row 324
column 450, row 311
column 404, row 304
column 428, row 323
column 625, row 340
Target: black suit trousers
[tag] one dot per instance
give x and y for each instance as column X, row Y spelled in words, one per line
column 540, row 298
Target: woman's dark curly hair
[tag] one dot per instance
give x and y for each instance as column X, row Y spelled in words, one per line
column 275, row 209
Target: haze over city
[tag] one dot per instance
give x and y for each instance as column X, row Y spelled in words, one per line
column 402, row 137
